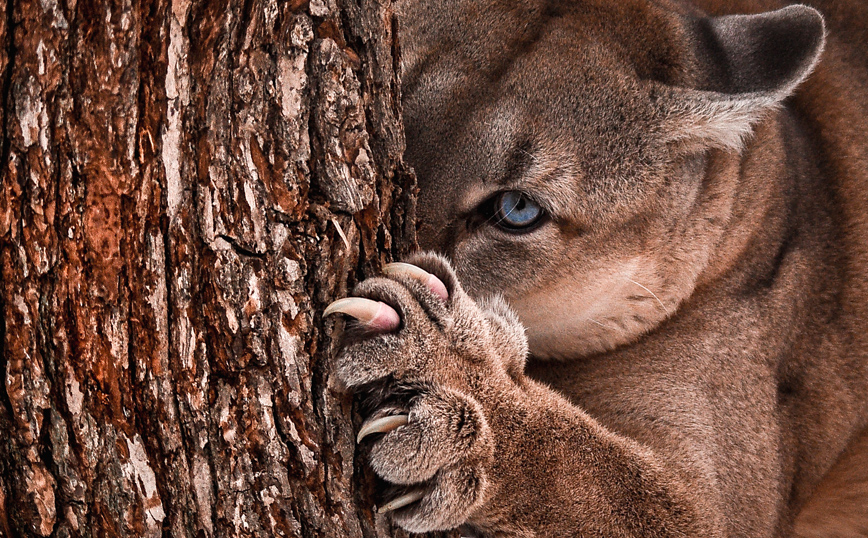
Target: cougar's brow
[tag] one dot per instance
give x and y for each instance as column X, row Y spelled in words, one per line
column 519, row 160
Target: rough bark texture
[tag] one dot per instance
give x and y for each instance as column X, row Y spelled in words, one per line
column 185, row 185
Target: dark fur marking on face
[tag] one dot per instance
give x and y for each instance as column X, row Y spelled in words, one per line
column 518, row 161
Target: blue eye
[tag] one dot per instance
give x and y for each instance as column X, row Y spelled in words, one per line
column 514, row 211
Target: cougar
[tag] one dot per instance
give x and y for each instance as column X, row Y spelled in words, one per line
column 641, row 306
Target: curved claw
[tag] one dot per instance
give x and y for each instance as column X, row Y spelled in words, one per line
column 381, row 425
column 401, row 502
column 434, row 284
column 374, row 314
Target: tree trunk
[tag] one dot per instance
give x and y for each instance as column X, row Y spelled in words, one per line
column 185, row 186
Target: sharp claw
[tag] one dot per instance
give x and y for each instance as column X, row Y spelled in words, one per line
column 381, row 425
column 374, row 314
column 406, row 269
column 434, row 284
column 401, row 501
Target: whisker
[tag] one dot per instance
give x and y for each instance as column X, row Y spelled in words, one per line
column 603, row 326
column 494, row 215
column 532, row 157
column 663, row 306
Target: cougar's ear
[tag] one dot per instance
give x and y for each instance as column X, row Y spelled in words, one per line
column 748, row 64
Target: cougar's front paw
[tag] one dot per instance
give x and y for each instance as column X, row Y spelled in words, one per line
column 424, row 357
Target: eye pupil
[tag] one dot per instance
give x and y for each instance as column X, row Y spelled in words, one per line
column 515, row 211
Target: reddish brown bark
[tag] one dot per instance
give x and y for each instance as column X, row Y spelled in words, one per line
column 185, row 186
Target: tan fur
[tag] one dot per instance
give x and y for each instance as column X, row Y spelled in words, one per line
column 838, row 507
column 701, row 278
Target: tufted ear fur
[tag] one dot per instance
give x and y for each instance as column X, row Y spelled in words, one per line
column 748, row 64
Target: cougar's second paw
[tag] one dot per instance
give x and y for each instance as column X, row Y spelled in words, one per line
column 432, row 454
column 424, row 357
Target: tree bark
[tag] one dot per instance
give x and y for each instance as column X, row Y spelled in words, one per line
column 185, row 186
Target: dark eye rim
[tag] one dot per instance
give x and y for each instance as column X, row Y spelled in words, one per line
column 492, row 214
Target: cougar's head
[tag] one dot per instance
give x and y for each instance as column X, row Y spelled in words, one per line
column 581, row 158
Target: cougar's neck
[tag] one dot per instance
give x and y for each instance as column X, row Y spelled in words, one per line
column 759, row 197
